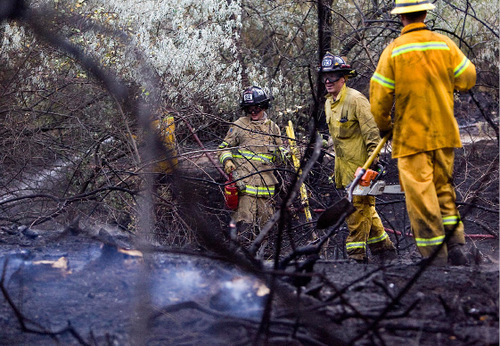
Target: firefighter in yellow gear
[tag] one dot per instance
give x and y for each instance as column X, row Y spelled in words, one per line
column 420, row 71
column 355, row 136
column 249, row 152
column 166, row 129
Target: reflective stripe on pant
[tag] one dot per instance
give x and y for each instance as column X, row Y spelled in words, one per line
column 253, row 210
column 365, row 227
column 430, row 199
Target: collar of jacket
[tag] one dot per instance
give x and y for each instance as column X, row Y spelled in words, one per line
column 414, row 27
column 340, row 97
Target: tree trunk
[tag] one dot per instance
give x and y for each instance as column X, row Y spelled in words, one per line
column 324, row 45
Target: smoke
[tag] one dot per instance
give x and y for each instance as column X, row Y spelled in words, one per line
column 241, row 296
column 177, row 284
column 95, row 270
column 230, row 292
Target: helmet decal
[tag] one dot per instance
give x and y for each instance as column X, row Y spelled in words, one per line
column 248, row 97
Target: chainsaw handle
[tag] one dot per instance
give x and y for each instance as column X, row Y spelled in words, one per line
column 377, row 150
column 367, row 164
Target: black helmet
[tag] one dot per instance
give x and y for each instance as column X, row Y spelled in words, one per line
column 255, row 96
column 333, row 63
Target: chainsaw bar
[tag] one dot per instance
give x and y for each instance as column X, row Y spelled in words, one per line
column 377, row 188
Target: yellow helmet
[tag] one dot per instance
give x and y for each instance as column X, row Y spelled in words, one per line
column 408, row 6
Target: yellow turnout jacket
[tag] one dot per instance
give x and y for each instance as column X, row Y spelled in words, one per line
column 421, row 69
column 254, row 146
column 354, row 132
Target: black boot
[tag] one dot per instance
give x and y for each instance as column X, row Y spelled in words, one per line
column 386, row 256
column 456, row 256
column 356, row 260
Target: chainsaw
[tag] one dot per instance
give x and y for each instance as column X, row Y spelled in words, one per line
column 336, row 213
column 371, row 185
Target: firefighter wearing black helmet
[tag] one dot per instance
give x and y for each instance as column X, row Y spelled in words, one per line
column 249, row 151
column 355, row 135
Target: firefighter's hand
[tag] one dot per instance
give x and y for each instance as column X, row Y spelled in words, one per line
column 285, row 154
column 375, row 163
column 229, row 166
column 384, row 133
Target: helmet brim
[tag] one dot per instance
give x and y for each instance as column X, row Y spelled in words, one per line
column 262, row 104
column 339, row 70
column 351, row 73
column 399, row 9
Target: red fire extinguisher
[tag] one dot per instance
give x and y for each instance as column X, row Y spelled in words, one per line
column 231, row 194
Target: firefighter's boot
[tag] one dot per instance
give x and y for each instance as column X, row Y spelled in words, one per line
column 456, row 256
column 388, row 256
column 357, row 260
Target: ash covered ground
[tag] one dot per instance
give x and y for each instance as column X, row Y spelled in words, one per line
column 77, row 290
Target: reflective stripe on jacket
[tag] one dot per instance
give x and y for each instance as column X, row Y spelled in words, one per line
column 259, row 191
column 354, row 132
column 421, row 69
column 254, row 146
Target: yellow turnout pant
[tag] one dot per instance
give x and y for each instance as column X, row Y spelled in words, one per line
column 430, row 199
column 365, row 227
column 253, row 210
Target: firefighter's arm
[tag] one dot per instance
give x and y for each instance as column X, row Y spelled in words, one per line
column 382, row 86
column 225, row 154
column 464, row 70
column 368, row 127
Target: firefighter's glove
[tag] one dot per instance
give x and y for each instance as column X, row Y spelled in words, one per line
column 229, row 166
column 324, row 143
column 285, row 154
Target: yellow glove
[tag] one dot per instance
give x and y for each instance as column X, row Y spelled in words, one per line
column 229, row 166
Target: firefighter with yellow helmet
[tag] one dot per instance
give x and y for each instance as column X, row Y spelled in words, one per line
column 249, row 151
column 420, row 71
column 355, row 136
